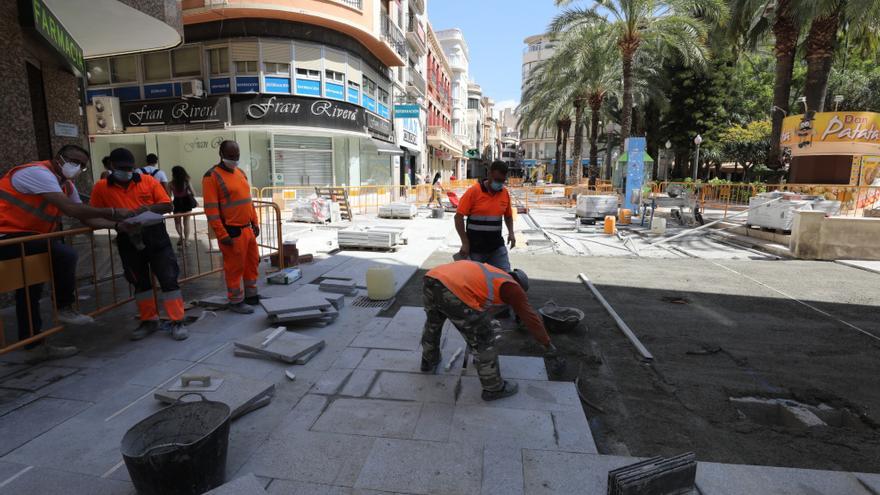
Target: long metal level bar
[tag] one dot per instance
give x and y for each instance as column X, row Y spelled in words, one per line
column 646, row 354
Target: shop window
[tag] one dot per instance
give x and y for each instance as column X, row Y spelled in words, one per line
column 246, row 67
column 308, row 74
column 123, row 69
column 369, row 86
column 383, row 96
column 276, row 68
column 187, row 62
column 218, row 61
column 332, row 75
column 98, row 71
column 354, row 85
column 157, row 66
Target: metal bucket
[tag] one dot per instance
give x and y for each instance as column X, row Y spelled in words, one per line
column 180, row 450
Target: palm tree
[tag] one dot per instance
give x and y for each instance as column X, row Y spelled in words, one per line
column 541, row 108
column 674, row 27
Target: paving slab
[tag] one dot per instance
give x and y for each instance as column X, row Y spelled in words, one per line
column 566, row 473
column 435, row 422
column 286, row 487
column 10, row 469
column 730, row 479
column 287, row 346
column 370, row 417
column 159, row 372
column 502, row 470
column 243, row 485
column 359, row 383
column 331, row 381
column 481, row 425
column 9, row 368
column 516, row 368
column 31, row 420
column 42, row 481
column 534, row 395
column 421, row 467
column 573, row 432
column 403, row 332
column 350, row 358
column 237, row 392
column 414, row 387
column 293, row 302
column 36, row 377
column 11, row 400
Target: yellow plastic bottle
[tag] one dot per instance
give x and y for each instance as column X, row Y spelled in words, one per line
column 380, row 283
column 610, row 225
column 624, row 216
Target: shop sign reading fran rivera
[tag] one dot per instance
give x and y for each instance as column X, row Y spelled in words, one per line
column 297, row 111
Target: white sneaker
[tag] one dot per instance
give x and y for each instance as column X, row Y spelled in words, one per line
column 69, row 316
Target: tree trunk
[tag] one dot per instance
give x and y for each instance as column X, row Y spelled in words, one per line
column 576, row 166
column 820, row 52
column 566, row 129
column 595, row 108
column 786, row 31
column 558, row 147
column 628, row 49
column 609, row 167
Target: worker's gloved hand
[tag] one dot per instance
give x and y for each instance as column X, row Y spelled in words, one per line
column 227, row 241
column 554, row 361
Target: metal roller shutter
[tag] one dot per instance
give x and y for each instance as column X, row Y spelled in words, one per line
column 334, row 60
column 276, row 51
column 245, row 51
column 303, row 160
column 308, row 56
column 354, row 70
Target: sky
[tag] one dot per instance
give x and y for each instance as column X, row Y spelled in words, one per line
column 494, row 31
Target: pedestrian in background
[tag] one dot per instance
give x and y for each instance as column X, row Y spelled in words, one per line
column 436, row 189
column 152, row 169
column 184, row 201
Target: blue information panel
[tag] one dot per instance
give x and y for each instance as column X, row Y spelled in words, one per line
column 308, row 87
column 384, row 112
column 127, row 93
column 333, row 90
column 247, row 84
column 635, row 172
column 407, row 111
column 354, row 96
column 158, row 91
column 369, row 103
column 220, row 85
column 277, row 85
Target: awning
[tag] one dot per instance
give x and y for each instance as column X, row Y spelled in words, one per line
column 386, row 148
column 108, row 27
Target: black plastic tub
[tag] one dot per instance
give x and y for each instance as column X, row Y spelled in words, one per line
column 560, row 319
column 180, row 450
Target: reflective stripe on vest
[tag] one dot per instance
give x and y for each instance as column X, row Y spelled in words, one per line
column 29, row 212
column 485, row 223
column 226, row 195
column 490, row 283
column 38, row 211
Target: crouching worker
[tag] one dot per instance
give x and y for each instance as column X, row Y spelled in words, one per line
column 467, row 293
column 144, row 249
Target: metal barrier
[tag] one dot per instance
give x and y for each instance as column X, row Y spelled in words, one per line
column 100, row 284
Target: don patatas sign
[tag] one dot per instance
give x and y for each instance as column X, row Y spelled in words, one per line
column 299, row 111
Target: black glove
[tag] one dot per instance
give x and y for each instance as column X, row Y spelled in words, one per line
column 554, row 361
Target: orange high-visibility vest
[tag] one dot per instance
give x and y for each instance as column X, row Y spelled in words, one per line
column 26, row 212
column 227, row 200
column 476, row 284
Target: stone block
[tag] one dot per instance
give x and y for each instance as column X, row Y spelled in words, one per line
column 34, row 378
column 349, row 358
column 243, row 485
column 435, row 421
column 294, row 302
column 419, row 467
column 238, row 392
column 158, row 373
column 35, row 418
column 729, row 479
column 286, row 346
column 566, row 473
column 370, row 417
column 502, row 470
column 534, row 395
column 415, row 387
column 287, row 487
column 573, row 431
column 481, row 425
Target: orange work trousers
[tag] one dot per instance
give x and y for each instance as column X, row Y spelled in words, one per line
column 241, row 260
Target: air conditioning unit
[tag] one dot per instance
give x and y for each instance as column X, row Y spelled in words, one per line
column 192, row 89
column 104, row 115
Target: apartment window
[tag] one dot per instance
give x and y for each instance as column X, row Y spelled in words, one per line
column 218, row 61
column 383, row 96
column 332, row 75
column 157, row 66
column 98, row 71
column 123, row 69
column 308, row 74
column 246, row 67
column 473, row 104
column 354, row 85
column 369, row 86
column 186, row 62
column 276, row 68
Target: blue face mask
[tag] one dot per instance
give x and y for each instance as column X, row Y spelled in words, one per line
column 122, row 175
column 496, row 186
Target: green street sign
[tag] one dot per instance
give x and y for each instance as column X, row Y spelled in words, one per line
column 36, row 14
column 472, row 153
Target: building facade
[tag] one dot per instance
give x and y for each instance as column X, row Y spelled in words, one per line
column 306, row 87
column 411, row 91
column 456, row 49
column 444, row 150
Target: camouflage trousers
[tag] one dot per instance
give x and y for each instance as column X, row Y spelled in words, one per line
column 475, row 326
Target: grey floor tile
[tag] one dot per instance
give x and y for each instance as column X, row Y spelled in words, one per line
column 535, row 395
column 331, row 381
column 349, row 358
column 287, row 487
column 34, row 378
column 735, row 479
column 30, row 421
column 9, row 469
column 502, row 471
column 359, row 383
column 370, row 417
column 392, row 360
column 435, row 421
column 566, row 473
column 415, row 387
column 420, row 467
column 243, row 485
column 574, row 432
column 42, row 481
column 159, row 373
column 10, row 368
column 481, row 425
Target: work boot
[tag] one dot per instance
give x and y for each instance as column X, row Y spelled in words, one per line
column 70, row 316
column 178, row 331
column 252, row 300
column 509, row 389
column 47, row 352
column 145, row 328
column 241, row 308
column 429, row 366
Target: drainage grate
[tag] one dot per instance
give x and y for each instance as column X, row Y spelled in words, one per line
column 366, row 302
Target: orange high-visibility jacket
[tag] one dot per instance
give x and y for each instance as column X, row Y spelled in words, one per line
column 476, row 284
column 227, row 200
column 27, row 212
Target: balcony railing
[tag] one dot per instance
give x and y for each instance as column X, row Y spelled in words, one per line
column 417, row 5
column 393, row 36
column 355, row 4
column 415, row 34
column 416, row 81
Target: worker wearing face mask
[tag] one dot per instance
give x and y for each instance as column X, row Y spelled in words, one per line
column 232, row 217
column 145, row 250
column 486, row 206
column 33, row 198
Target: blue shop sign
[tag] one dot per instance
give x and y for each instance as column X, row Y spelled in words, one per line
column 247, row 84
column 308, row 87
column 354, row 96
column 384, row 112
column 369, row 103
column 407, row 111
column 335, row 91
column 158, row 91
column 278, row 85
column 127, row 93
column 220, row 85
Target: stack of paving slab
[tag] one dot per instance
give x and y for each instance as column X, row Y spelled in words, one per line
column 376, row 238
column 279, row 344
column 346, row 287
column 397, row 210
column 673, row 475
column 241, row 394
column 302, row 307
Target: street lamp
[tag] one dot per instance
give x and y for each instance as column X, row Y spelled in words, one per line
column 697, row 141
column 667, row 161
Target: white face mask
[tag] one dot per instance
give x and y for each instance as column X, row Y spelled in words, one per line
column 71, row 170
column 230, row 163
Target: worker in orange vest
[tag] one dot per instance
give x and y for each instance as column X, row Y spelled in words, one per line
column 488, row 209
column 144, row 249
column 33, row 197
column 465, row 292
column 232, row 216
